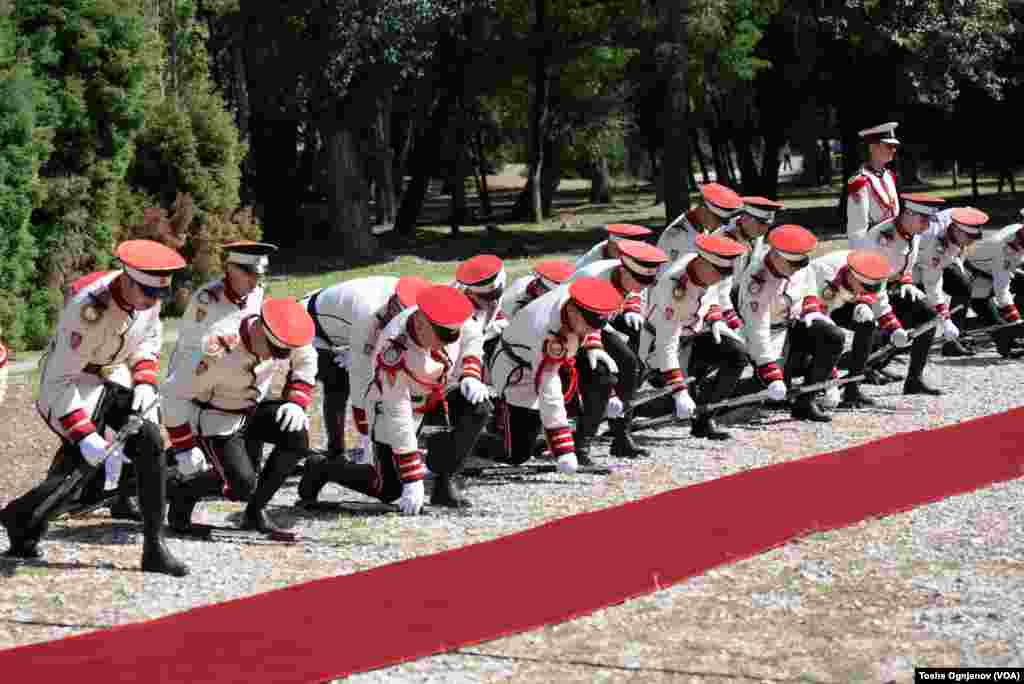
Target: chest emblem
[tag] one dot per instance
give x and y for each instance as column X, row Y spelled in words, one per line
column 200, row 314
column 75, row 340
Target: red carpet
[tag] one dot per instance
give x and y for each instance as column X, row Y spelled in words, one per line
column 336, row 626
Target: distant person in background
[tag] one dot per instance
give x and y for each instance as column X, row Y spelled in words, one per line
column 786, row 157
column 824, row 163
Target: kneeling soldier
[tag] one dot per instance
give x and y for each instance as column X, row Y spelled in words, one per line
column 113, row 320
column 720, row 204
column 218, row 401
column 608, row 249
column 416, row 359
column 546, row 276
column 997, row 288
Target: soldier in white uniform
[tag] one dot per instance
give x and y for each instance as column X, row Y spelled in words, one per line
column 634, row 271
column 606, row 249
column 871, row 195
column 348, row 318
column 846, row 284
column 776, row 303
column 902, row 303
column 939, row 269
column 684, row 329
column 114, row 320
column 482, row 278
column 219, row 400
column 996, row 287
column 748, row 228
column 720, row 204
column 545, row 277
column 417, row 358
column 536, row 372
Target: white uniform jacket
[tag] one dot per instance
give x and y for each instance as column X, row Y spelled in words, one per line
column 598, row 252
column 935, row 253
column 349, row 318
column 96, row 334
column 521, row 292
column 608, row 269
column 870, row 199
column 485, row 324
column 208, row 306
column 991, row 264
column 756, row 248
column 826, row 284
column 902, row 255
column 681, row 239
column 213, row 393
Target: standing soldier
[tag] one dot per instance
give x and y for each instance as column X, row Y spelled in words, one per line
column 903, row 303
column 546, row 276
column 416, row 358
column 748, row 228
column 685, row 326
column 939, row 269
column 719, row 205
column 219, row 400
column 775, row 303
column 114, row 320
column 634, row 271
column 535, row 371
column 992, row 265
column 871, row 195
column 606, row 249
column 348, row 318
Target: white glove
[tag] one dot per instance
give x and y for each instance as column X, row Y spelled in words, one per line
column 411, row 501
column 832, row 397
column 685, row 405
column 614, row 409
column 567, row 463
column 911, row 292
column 292, row 418
column 816, row 316
column 93, row 448
column 720, row 328
column 495, row 327
column 191, row 462
column 900, row 338
column 595, row 356
column 776, row 390
column 142, row 397
column 341, row 357
column 633, row 320
column 474, row 390
column 862, row 314
column 112, row 469
column 949, row 330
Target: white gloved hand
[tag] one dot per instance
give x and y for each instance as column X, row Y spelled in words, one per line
column 813, row 316
column 112, row 469
column 595, row 356
column 495, row 327
column 341, row 357
column 474, row 390
column 614, row 409
column 93, row 448
column 685, row 405
column 862, row 314
column 567, row 463
column 191, row 462
column 720, row 328
column 832, row 397
column 900, row 338
column 292, row 418
column 142, row 397
column 911, row 292
column 949, row 330
column 411, row 501
column 633, row 320
column 776, row 390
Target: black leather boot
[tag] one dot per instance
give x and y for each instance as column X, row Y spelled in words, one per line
column 123, row 508
column 150, row 467
column 447, row 492
column 23, row 543
column 280, row 464
column 854, row 398
column 582, row 446
column 919, row 352
column 623, row 445
column 917, row 385
column 955, row 348
column 313, row 479
column 806, row 408
column 183, row 497
column 257, row 519
column 704, row 427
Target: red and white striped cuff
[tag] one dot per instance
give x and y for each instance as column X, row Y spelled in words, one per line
column 1010, row 313
column 906, row 279
column 145, row 372
column 942, row 310
column 866, row 298
column 632, row 304
column 410, row 467
column 298, row 392
column 471, row 368
column 889, row 323
column 674, row 378
column 713, row 315
column 732, row 319
column 769, row 372
column 811, row 305
column 593, row 341
column 560, row 441
column 181, row 437
column 77, row 425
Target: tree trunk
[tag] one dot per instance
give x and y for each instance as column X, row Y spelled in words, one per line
column 750, row 177
column 348, row 200
column 457, row 173
column 425, row 152
column 600, row 181
column 539, row 115
column 672, row 19
column 695, row 142
column 273, row 159
column 551, row 175
column 481, row 170
column 769, row 185
column 381, row 160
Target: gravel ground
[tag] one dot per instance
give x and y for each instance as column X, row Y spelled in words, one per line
column 940, row 585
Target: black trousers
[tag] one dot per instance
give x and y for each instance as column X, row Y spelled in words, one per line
column 912, row 314
column 595, row 384
column 335, row 381
column 814, row 351
column 956, row 285
column 865, row 336
column 729, row 358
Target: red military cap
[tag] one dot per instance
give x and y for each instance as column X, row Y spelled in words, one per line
column 627, row 230
column 596, row 295
column 479, row 270
column 719, row 249
column 869, row 267
column 792, row 242
column 969, row 219
column 149, row 263
column 761, row 208
column 554, row 272
column 409, row 288
column 253, row 255
column 286, row 323
column 722, row 201
column 922, row 203
column 445, row 306
column 640, row 257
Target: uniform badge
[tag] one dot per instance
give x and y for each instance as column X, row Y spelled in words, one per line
column 554, row 348
column 753, row 306
column 936, row 261
column 90, row 313
column 679, row 291
column 673, row 254
column 200, row 314
column 670, row 313
column 391, row 355
column 213, row 347
column 202, row 367
column 754, row 287
column 76, row 340
column 203, row 297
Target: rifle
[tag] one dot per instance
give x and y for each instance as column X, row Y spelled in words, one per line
column 484, row 471
column 884, row 354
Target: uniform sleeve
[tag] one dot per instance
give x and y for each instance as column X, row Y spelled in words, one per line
column 553, row 416
column 1002, row 276
column 931, row 281
column 70, row 352
column 886, row 317
column 668, row 326
column 395, row 410
column 757, row 331
column 145, row 359
column 858, row 208
column 193, row 377
column 360, row 365
column 472, row 349
column 298, row 385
